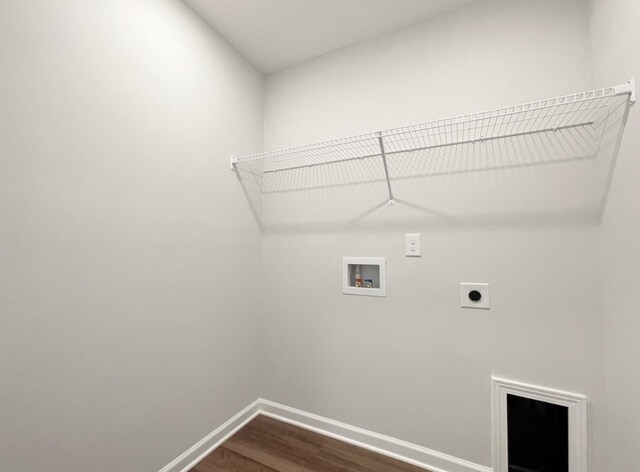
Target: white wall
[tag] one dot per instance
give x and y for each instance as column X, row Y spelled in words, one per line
column 616, row 42
column 414, row 365
column 128, row 254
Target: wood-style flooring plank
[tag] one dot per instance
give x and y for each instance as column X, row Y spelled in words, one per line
column 269, row 445
column 224, row 460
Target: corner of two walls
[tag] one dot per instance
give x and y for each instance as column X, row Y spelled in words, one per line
column 615, row 44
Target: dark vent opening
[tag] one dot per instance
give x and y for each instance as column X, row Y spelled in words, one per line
column 538, row 435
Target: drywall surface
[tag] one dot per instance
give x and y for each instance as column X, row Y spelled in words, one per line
column 414, row 365
column 128, row 254
column 616, row 42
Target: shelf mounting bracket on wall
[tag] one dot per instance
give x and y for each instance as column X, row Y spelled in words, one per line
column 628, row 88
column 386, row 169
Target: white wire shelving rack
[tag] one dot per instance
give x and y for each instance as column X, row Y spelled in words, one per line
column 584, row 112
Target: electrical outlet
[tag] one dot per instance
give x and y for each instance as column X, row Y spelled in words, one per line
column 412, row 245
column 474, row 295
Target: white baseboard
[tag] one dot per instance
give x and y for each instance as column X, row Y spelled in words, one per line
column 188, row 459
column 419, row 456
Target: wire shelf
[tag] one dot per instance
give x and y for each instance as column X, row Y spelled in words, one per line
column 582, row 116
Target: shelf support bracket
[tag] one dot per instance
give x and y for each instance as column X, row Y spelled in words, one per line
column 386, row 170
column 628, row 88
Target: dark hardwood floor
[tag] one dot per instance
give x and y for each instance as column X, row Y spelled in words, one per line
column 268, row 445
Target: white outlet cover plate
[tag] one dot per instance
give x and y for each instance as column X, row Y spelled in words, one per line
column 465, row 302
column 412, row 245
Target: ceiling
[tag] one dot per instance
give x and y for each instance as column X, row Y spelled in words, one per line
column 275, row 34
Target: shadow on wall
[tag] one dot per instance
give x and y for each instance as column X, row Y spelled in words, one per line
column 471, row 175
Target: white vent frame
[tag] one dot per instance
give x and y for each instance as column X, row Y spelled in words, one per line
column 577, row 409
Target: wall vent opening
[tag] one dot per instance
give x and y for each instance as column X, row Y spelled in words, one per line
column 537, row 435
column 538, row 429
